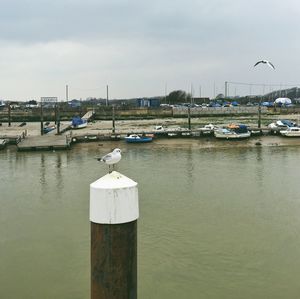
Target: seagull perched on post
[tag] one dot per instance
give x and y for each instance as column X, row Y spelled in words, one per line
column 111, row 159
column 270, row 64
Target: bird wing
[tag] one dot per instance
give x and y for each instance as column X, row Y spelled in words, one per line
column 271, row 65
column 107, row 157
column 258, row 62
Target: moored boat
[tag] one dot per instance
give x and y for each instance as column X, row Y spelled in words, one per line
column 134, row 138
column 207, row 129
column 78, row 122
column 3, row 143
column 283, row 123
column 49, row 128
column 233, row 132
column 291, row 132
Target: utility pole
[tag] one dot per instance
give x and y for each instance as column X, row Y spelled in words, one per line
column 192, row 100
column 67, row 93
column 226, row 89
column 106, row 95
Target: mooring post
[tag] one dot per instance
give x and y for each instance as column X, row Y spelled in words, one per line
column 259, row 114
column 9, row 114
column 113, row 120
column 113, row 214
column 58, row 119
column 42, row 118
column 189, row 117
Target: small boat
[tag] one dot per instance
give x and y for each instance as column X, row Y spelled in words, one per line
column 291, row 132
column 49, row 128
column 233, row 132
column 78, row 123
column 159, row 129
column 283, row 123
column 207, row 129
column 3, row 143
column 134, row 138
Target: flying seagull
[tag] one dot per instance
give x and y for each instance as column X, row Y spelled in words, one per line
column 270, row 64
column 111, row 159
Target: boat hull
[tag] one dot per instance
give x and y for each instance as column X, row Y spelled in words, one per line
column 138, row 140
column 232, row 135
column 291, row 132
column 81, row 126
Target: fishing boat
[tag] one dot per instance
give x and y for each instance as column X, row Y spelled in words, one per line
column 233, row 132
column 134, row 138
column 78, row 123
column 291, row 132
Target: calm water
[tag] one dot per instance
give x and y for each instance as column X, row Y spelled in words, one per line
column 214, row 223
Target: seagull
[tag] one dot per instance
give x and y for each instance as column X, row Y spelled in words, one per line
column 111, row 159
column 270, row 64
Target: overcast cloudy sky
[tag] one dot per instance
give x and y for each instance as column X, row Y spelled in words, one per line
column 145, row 48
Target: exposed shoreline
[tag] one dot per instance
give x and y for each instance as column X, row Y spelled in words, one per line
column 123, row 127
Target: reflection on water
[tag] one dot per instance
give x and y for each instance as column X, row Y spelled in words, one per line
column 214, row 222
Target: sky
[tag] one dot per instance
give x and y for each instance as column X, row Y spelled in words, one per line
column 146, row 48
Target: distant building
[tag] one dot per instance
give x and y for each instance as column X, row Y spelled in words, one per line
column 153, row 103
column 74, row 103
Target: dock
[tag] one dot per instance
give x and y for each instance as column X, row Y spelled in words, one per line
column 13, row 137
column 52, row 142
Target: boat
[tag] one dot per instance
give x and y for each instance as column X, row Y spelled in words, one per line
column 134, row 138
column 49, row 128
column 78, row 122
column 233, row 132
column 3, row 143
column 291, row 132
column 207, row 129
column 283, row 123
column 159, row 129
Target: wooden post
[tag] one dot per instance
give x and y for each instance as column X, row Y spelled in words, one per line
column 189, row 117
column 113, row 214
column 57, row 119
column 42, row 119
column 9, row 115
column 113, row 120
column 259, row 114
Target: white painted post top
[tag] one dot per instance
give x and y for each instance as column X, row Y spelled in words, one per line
column 114, row 199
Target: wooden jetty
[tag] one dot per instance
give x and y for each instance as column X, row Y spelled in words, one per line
column 52, row 142
column 13, row 137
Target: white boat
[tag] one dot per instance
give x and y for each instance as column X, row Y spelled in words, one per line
column 291, row 132
column 233, row 132
column 78, row 122
column 159, row 129
column 207, row 129
column 3, row 143
column 284, row 123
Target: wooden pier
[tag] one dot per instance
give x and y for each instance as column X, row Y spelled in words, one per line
column 52, row 142
column 13, row 137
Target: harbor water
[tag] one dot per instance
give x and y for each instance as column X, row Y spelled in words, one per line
column 215, row 222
